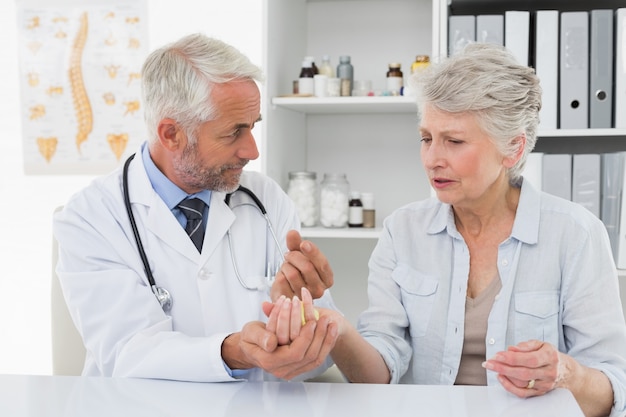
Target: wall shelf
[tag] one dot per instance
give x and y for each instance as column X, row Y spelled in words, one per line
column 597, row 134
column 344, row 232
column 348, row 105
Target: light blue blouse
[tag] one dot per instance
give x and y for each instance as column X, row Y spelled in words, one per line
column 559, row 285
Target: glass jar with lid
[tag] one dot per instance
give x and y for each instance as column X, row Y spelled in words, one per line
column 304, row 192
column 334, row 199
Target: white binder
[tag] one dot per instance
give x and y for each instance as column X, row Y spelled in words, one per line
column 533, row 170
column 620, row 69
column 601, row 69
column 547, row 65
column 613, row 165
column 461, row 31
column 620, row 261
column 517, row 34
column 574, row 71
column 490, row 28
column 557, row 175
column 586, row 177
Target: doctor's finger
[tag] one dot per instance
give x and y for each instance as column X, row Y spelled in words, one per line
column 293, row 277
column 293, row 240
column 319, row 261
column 254, row 337
column 281, row 287
column 301, row 271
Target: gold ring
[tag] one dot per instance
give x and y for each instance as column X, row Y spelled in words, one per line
column 531, row 384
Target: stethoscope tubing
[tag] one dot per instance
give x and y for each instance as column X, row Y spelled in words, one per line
column 162, row 295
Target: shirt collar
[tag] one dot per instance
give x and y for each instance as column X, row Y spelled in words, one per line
column 169, row 192
column 525, row 225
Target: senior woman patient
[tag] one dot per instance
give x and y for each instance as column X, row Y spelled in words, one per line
column 491, row 282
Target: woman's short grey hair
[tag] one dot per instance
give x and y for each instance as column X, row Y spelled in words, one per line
column 487, row 80
column 177, row 80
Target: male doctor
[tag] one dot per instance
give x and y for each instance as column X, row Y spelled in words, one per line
column 201, row 101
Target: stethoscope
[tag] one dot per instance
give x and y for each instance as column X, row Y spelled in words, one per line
column 163, row 295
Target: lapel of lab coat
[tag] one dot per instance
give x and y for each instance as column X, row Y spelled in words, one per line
column 164, row 225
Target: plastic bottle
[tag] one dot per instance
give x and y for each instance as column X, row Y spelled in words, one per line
column 421, row 62
column 334, row 195
column 345, row 72
column 306, row 84
column 326, row 68
column 304, row 192
column 355, row 210
column 394, row 79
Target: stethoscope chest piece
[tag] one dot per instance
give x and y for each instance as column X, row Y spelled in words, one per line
column 164, row 297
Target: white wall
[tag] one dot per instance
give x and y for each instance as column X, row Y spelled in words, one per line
column 27, row 202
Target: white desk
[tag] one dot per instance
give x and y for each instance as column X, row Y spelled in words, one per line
column 56, row 396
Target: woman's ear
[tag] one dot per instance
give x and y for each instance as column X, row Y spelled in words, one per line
column 519, row 142
column 171, row 136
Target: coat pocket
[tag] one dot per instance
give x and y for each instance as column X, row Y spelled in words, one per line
column 418, row 293
column 537, row 316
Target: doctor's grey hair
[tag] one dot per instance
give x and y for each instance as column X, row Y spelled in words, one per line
column 486, row 80
column 177, row 81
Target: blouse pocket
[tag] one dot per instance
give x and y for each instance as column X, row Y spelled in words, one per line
column 418, row 297
column 537, row 316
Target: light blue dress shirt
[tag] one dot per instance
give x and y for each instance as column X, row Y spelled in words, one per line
column 169, row 192
column 559, row 285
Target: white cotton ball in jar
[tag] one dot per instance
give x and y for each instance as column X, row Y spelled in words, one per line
column 303, row 192
column 334, row 208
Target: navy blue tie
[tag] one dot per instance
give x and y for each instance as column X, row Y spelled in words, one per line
column 193, row 209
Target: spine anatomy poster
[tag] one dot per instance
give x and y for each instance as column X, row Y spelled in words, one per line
column 80, row 76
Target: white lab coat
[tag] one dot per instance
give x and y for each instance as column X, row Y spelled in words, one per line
column 124, row 329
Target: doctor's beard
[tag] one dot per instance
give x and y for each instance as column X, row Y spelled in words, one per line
column 191, row 171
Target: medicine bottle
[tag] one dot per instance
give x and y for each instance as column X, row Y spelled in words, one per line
column 326, row 68
column 421, row 62
column 313, row 66
column 345, row 72
column 334, row 194
column 369, row 213
column 306, row 84
column 394, row 79
column 304, row 192
column 355, row 210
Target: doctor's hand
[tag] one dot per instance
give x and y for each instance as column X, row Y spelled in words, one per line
column 257, row 347
column 305, row 266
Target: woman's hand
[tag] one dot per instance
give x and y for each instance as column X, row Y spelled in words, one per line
column 528, row 369
column 533, row 368
column 287, row 316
